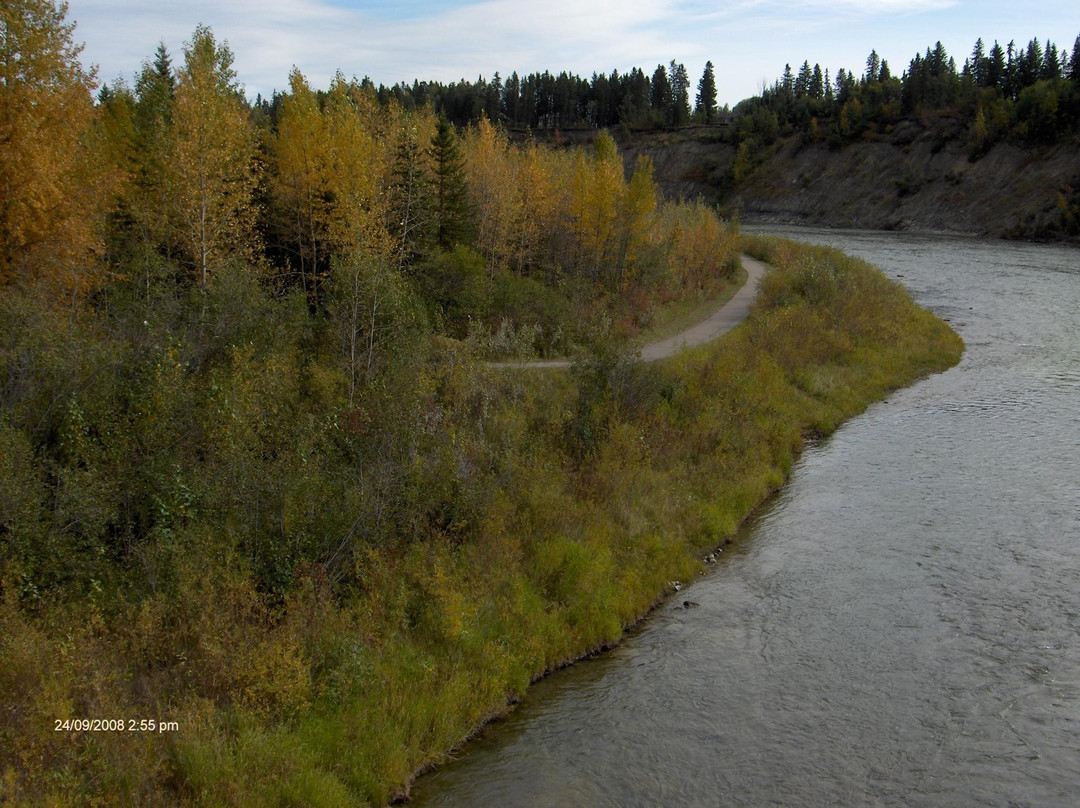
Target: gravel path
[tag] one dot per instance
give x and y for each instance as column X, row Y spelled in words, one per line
column 719, row 322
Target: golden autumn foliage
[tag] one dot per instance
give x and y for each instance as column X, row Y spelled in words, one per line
column 302, row 180
column 598, row 183
column 493, row 172
column 47, row 181
column 360, row 158
column 210, row 174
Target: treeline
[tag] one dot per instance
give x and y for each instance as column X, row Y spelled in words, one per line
column 545, row 100
column 1027, row 94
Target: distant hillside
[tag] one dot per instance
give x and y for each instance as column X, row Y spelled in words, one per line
column 922, row 175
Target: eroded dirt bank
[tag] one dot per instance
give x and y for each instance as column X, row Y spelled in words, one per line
column 914, row 178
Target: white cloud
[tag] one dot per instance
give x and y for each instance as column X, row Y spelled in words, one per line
column 748, row 40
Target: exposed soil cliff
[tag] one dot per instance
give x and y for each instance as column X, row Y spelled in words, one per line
column 918, row 177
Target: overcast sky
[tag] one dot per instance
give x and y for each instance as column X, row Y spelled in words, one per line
column 748, row 41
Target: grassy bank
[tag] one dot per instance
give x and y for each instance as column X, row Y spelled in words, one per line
column 535, row 515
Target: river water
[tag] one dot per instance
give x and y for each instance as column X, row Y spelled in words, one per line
column 899, row 626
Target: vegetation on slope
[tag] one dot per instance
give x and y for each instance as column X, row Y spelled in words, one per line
column 265, row 510
column 328, row 599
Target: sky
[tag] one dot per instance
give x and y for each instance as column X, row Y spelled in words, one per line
column 748, row 41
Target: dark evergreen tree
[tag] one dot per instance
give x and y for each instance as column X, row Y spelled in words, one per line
column 450, row 194
column 1030, row 65
column 680, row 94
column 1051, row 63
column 706, row 96
column 802, row 81
column 817, row 84
column 978, row 69
column 661, row 93
column 634, row 107
column 787, row 84
column 411, row 210
column 873, row 68
column 995, row 70
column 512, row 98
column 154, row 88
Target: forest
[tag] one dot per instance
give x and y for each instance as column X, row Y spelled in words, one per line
column 273, row 530
column 1025, row 93
column 1028, row 95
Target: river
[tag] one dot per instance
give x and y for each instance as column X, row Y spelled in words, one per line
column 899, row 626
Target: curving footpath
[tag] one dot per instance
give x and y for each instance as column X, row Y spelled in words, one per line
column 719, row 322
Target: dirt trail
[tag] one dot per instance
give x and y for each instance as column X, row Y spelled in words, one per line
column 719, row 322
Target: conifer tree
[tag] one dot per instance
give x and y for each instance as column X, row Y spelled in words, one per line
column 451, row 197
column 1051, row 62
column 660, row 96
column 411, row 215
column 155, row 90
column 978, row 64
column 706, row 96
column 995, row 68
column 817, row 83
column 680, row 94
column 802, row 81
column 873, row 67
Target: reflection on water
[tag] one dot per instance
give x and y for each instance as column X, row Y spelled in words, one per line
column 901, row 626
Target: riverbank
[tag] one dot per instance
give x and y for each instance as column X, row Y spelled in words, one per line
column 844, row 638
column 568, row 504
column 801, row 371
column 919, row 177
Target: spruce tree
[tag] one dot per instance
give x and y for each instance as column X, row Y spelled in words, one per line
column 803, row 79
column 873, row 67
column 411, row 199
column 706, row 95
column 680, row 94
column 661, row 94
column 817, row 83
column 155, row 90
column 451, row 196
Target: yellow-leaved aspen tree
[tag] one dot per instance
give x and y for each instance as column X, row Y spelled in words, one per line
column 45, row 111
column 211, row 172
column 544, row 210
column 301, row 183
column 636, row 207
column 598, row 186
column 494, row 187
column 355, row 162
